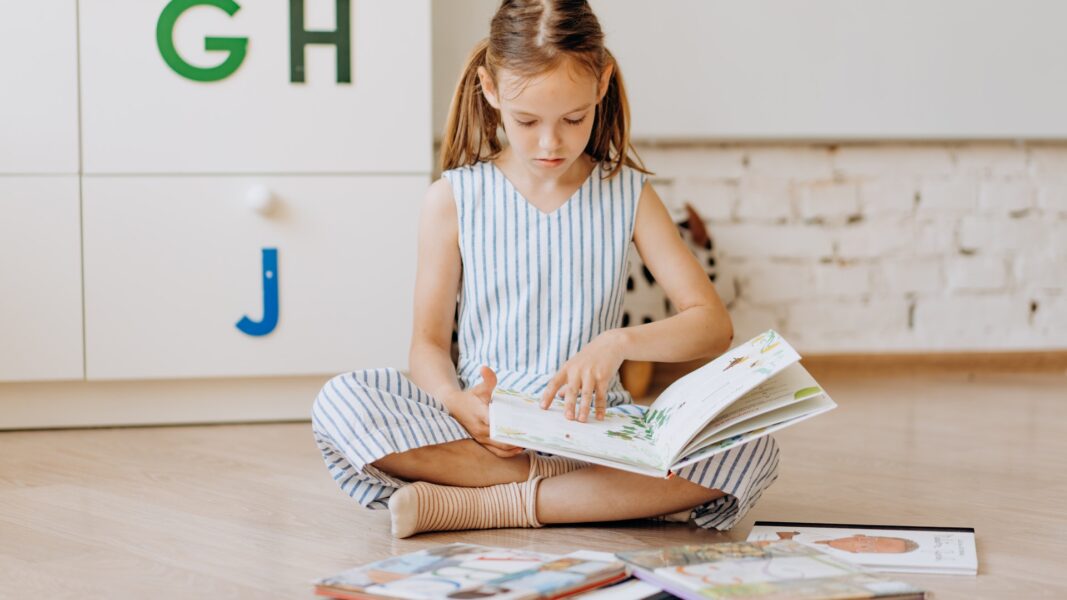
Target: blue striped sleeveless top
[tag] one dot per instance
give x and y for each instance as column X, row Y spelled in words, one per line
column 536, row 287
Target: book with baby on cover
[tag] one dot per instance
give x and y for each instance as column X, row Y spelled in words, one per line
column 754, row 389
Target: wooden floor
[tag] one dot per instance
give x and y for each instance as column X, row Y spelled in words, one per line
column 248, row 511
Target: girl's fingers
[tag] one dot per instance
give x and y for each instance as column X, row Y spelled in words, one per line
column 553, row 388
column 601, row 399
column 484, row 390
column 571, row 400
column 587, row 400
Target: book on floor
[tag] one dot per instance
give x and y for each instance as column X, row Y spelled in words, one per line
column 761, row 571
column 894, row 549
column 630, row 588
column 754, row 389
column 472, row 571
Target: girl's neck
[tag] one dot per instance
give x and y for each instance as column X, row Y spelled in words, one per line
column 526, row 178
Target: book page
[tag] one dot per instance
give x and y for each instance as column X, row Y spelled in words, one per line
column 621, row 440
column 684, row 408
column 757, row 427
column 792, row 385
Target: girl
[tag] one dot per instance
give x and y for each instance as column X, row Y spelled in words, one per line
column 533, row 239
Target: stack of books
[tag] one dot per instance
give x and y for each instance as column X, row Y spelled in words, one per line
column 755, row 570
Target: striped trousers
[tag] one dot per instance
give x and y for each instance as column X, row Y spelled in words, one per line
column 362, row 416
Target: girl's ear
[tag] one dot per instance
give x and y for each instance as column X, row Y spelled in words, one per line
column 488, row 89
column 605, row 79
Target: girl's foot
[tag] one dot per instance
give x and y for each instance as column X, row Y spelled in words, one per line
column 425, row 506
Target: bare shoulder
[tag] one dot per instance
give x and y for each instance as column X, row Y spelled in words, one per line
column 650, row 208
column 439, row 201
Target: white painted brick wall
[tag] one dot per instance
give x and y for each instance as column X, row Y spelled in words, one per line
column 714, row 200
column 977, row 274
column 828, row 202
column 888, row 197
column 1052, row 199
column 765, row 199
column 1007, row 198
column 885, row 247
column 947, row 198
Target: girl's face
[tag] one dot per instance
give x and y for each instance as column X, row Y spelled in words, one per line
column 548, row 119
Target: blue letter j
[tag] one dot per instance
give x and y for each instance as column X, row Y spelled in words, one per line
column 270, row 297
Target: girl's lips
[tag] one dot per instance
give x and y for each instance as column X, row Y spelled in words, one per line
column 550, row 161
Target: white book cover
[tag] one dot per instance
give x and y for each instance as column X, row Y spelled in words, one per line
column 891, row 549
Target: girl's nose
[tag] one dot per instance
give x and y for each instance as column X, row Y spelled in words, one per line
column 550, row 138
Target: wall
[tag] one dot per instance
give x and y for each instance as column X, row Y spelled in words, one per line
column 884, row 247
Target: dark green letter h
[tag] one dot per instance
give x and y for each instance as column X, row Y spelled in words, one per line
column 300, row 37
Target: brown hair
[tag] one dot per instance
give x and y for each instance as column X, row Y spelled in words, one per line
column 530, row 37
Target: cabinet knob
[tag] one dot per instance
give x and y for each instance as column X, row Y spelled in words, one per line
column 260, row 199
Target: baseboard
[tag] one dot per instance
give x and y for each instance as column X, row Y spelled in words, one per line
column 1051, row 361
column 52, row 405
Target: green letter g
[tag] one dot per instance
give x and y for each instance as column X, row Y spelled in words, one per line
column 236, row 47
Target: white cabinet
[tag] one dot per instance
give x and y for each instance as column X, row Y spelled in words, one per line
column 40, row 237
column 40, row 279
column 122, row 164
column 141, row 116
column 39, row 90
column 173, row 263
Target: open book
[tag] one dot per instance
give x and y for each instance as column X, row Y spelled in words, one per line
column 748, row 392
column 472, row 571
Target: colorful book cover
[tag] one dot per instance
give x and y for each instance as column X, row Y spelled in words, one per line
column 888, row 548
column 761, row 571
column 471, row 571
column 748, row 392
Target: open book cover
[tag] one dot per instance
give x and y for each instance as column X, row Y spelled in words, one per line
column 754, row 389
column 471, row 571
column 761, row 571
column 894, row 549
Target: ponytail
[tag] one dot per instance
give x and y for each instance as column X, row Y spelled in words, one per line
column 470, row 131
column 609, row 142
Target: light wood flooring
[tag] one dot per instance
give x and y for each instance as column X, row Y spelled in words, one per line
column 239, row 511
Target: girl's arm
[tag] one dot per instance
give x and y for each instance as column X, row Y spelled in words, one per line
column 436, row 286
column 702, row 327
column 437, row 280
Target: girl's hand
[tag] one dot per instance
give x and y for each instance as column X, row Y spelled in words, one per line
column 584, row 378
column 471, row 408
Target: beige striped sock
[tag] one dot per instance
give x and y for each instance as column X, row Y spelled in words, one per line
column 550, row 466
column 425, row 506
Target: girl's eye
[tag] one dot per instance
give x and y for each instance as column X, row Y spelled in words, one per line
column 568, row 121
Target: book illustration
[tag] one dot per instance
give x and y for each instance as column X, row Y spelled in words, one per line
column 767, row 341
column 735, row 361
column 518, row 419
column 775, row 570
column 643, row 426
column 470, row 571
column 882, row 547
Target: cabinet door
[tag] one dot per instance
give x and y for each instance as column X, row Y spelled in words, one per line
column 40, row 279
column 140, row 115
column 39, row 90
column 172, row 264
